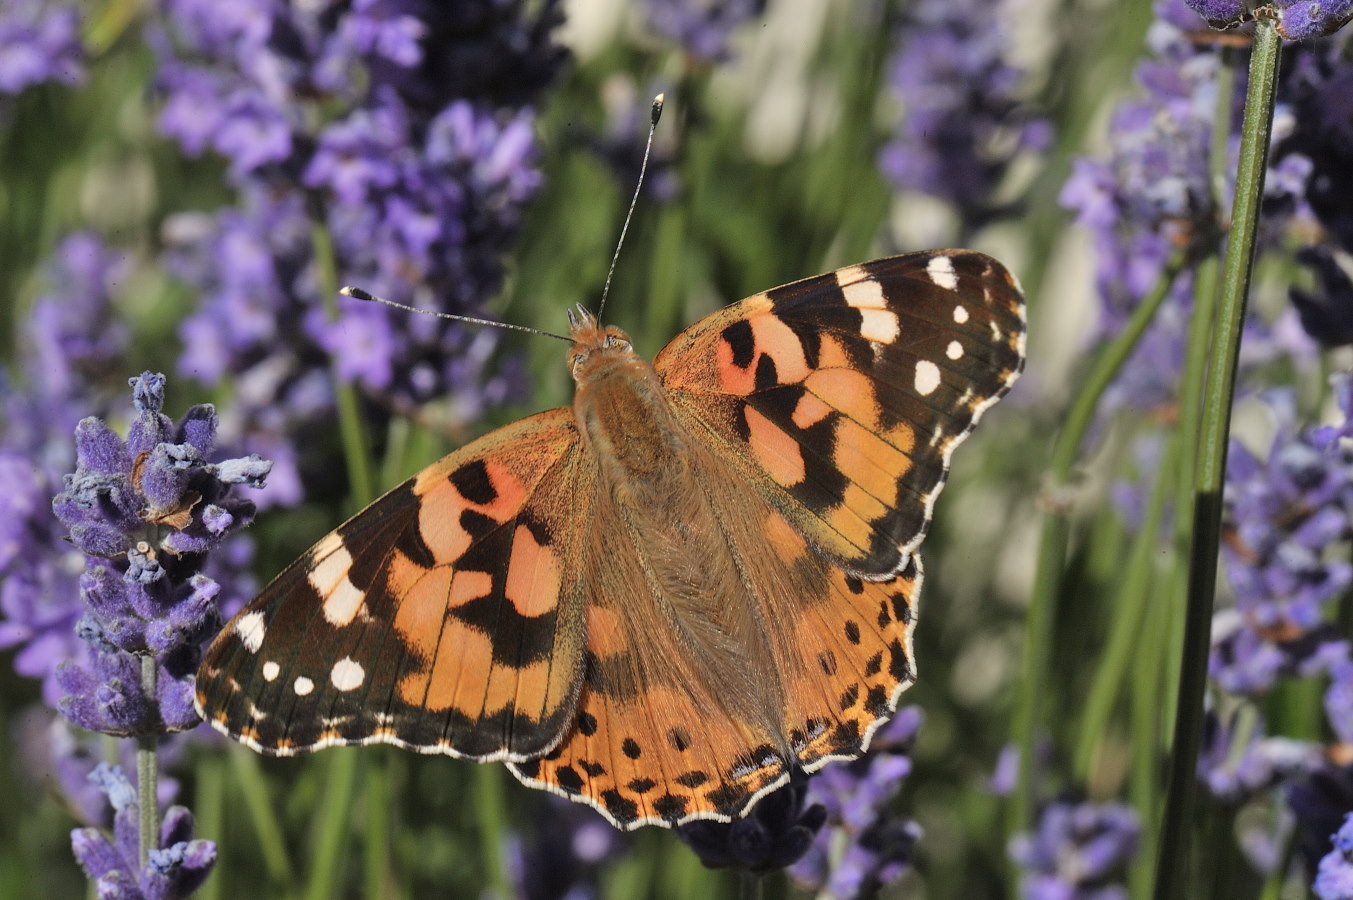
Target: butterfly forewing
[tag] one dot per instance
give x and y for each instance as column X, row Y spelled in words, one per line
column 842, row 396
column 444, row 617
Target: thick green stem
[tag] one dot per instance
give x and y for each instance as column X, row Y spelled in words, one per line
column 147, row 767
column 1180, row 799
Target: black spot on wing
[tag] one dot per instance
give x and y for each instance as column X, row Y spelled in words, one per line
column 472, row 481
column 691, row 779
column 766, row 376
column 518, row 640
column 741, row 341
column 568, row 779
column 670, row 807
column 621, row 808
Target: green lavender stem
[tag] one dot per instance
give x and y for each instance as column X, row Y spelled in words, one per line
column 1176, row 828
column 147, row 768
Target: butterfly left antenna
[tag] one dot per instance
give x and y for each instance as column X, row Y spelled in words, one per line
column 654, row 114
column 350, row 291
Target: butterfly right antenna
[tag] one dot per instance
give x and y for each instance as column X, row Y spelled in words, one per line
column 655, row 113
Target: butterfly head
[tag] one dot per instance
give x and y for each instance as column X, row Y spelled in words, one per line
column 595, row 345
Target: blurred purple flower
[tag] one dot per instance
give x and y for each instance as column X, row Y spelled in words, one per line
column 702, row 27
column 145, row 512
column 1321, row 798
column 1151, row 194
column 1314, row 138
column 1238, row 760
column 1077, row 851
column 963, row 118
column 857, row 796
column 564, row 853
column 176, row 867
column 402, row 129
column 1282, row 515
column 39, row 41
column 68, row 345
column 1334, row 878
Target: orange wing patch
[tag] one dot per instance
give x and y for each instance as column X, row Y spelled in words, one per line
column 842, row 397
column 443, row 618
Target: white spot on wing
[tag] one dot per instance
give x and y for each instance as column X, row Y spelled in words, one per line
column 347, row 674
column 927, row 377
column 961, row 314
column 879, row 325
column 271, row 670
column 303, row 686
column 954, row 350
column 941, row 272
column 329, row 578
column 251, row 630
column 867, row 293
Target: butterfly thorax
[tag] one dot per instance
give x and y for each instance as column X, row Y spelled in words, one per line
column 621, row 409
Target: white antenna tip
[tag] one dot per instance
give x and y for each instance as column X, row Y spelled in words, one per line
column 656, row 112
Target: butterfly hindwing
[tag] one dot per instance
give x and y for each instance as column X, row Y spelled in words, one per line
column 842, row 396
column 444, row 617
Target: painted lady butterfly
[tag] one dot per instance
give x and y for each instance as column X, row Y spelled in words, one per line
column 662, row 600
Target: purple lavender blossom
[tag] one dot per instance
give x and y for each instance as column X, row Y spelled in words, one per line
column 57, row 759
column 878, row 844
column 1221, row 14
column 1283, row 514
column 176, row 867
column 402, row 129
column 1238, row 760
column 145, row 511
column 963, row 120
column 1298, row 20
column 39, row 41
column 1077, row 851
column 702, row 27
column 1152, row 195
column 73, row 339
column 1334, row 879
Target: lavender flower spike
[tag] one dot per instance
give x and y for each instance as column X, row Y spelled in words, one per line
column 176, row 867
column 1076, row 851
column 145, row 512
column 1334, row 880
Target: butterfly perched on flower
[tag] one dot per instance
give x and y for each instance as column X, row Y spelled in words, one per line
column 665, row 599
